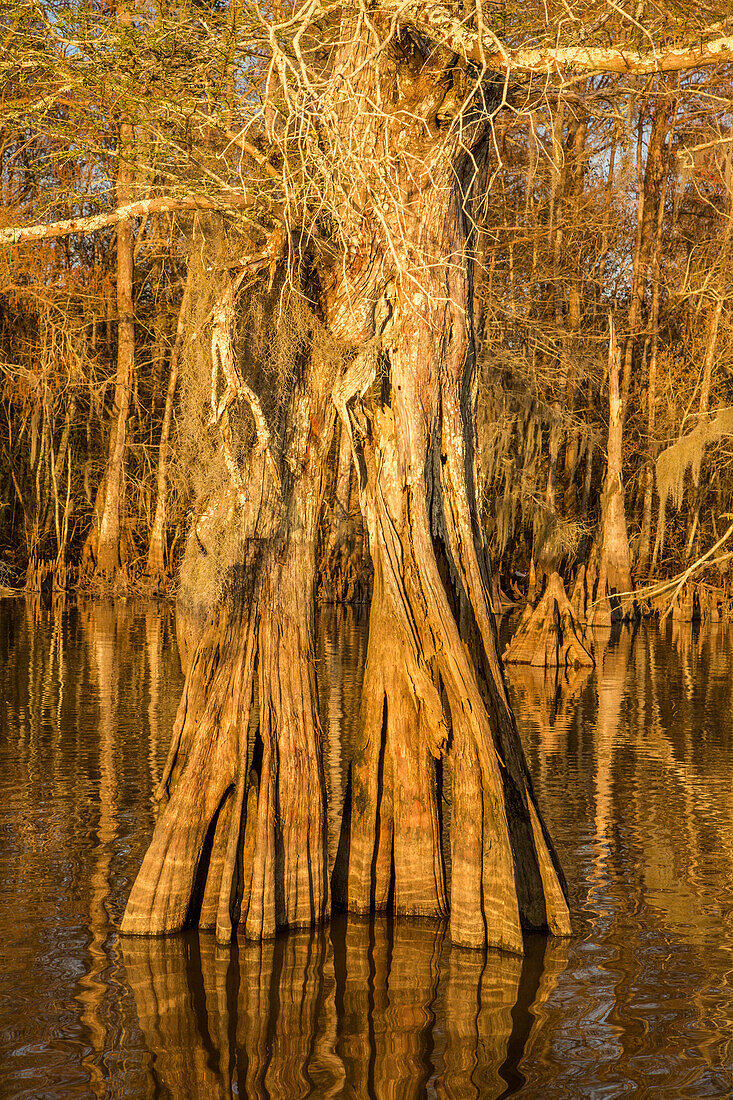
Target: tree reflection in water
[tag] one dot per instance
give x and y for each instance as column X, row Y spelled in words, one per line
column 364, row 1008
column 631, row 762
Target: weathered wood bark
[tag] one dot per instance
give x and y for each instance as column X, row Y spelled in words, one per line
column 549, row 634
column 344, row 574
column 434, row 699
column 241, row 836
column 343, row 489
column 686, row 604
column 642, row 562
column 568, row 174
column 434, row 703
column 652, row 190
column 90, row 549
column 613, row 590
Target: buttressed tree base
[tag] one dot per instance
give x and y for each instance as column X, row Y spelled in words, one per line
column 367, row 154
column 242, row 837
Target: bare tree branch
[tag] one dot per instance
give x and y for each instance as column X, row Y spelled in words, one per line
column 160, row 205
column 437, row 23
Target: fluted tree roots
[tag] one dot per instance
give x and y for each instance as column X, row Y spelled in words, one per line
column 549, row 634
column 241, row 836
column 436, row 728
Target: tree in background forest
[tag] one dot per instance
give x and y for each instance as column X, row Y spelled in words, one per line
column 361, row 245
column 640, row 165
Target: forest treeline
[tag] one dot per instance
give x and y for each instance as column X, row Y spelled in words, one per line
column 609, row 199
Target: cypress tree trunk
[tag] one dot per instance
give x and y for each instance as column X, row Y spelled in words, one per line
column 642, row 563
column 241, row 835
column 652, row 190
column 109, row 558
column 232, row 845
column 434, row 702
column 614, row 573
column 157, row 546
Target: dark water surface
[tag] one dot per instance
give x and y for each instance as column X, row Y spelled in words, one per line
column 633, row 764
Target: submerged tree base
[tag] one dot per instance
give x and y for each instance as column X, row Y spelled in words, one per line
column 549, row 634
column 241, row 833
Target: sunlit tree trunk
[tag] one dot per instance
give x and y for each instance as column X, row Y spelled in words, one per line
column 241, row 836
column 157, row 546
column 566, row 193
column 642, row 561
column 652, row 189
column 614, row 570
column 434, row 703
column 574, row 202
column 109, row 556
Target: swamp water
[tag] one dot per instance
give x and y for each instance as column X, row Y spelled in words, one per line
column 633, row 763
